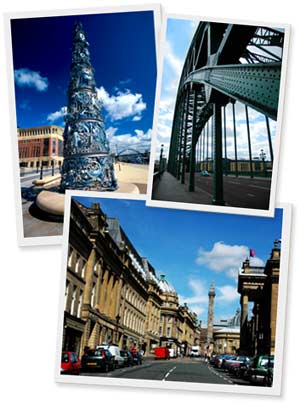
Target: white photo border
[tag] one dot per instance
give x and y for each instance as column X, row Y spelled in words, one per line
column 157, row 14
column 275, row 390
column 276, row 149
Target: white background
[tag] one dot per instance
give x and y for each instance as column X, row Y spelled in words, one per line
column 30, row 277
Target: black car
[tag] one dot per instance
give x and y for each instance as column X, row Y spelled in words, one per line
column 128, row 358
column 97, row 360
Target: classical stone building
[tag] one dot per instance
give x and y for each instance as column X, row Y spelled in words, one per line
column 40, row 146
column 226, row 336
column 259, row 285
column 113, row 294
column 177, row 323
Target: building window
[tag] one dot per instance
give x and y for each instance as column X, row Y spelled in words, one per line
column 93, row 295
column 73, row 299
column 83, row 268
column 67, row 293
column 168, row 332
column 160, row 331
column 169, row 318
column 71, row 250
column 79, row 304
column 77, row 265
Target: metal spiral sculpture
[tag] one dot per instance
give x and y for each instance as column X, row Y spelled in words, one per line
column 87, row 162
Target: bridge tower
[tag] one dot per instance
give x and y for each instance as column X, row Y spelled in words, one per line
column 87, row 162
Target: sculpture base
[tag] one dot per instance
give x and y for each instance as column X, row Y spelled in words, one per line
column 88, row 173
column 53, row 203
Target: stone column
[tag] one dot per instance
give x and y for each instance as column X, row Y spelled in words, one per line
column 99, row 286
column 89, row 277
column 244, row 323
column 94, row 337
column 104, row 290
column 108, row 295
column 118, row 297
column 210, row 320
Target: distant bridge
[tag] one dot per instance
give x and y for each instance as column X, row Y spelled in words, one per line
column 131, row 155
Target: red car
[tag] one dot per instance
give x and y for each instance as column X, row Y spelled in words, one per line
column 70, row 363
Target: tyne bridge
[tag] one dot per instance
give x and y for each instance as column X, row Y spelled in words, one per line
column 229, row 70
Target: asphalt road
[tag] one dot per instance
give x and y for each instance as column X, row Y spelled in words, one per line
column 183, row 370
column 241, row 192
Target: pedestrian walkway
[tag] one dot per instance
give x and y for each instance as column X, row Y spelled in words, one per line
column 168, row 188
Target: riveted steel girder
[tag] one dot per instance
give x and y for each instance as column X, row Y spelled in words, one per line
column 256, row 85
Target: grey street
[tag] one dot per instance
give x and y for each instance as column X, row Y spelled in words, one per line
column 180, row 369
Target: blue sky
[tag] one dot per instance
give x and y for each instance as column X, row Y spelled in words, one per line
column 122, row 48
column 178, row 38
column 194, row 248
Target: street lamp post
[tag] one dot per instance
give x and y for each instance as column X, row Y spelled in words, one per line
column 41, row 171
column 161, row 159
column 262, row 155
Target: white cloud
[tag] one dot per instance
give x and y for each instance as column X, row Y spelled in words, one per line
column 25, row 77
column 120, row 142
column 227, row 293
column 197, row 301
column 122, row 105
column 173, row 61
column 226, row 258
column 52, row 117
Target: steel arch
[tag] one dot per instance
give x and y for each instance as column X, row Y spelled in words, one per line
column 225, row 63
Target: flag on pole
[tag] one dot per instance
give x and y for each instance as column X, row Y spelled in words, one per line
column 252, row 253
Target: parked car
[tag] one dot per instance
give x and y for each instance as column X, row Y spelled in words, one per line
column 219, row 359
column 234, row 360
column 98, row 360
column 212, row 359
column 162, row 353
column 204, row 173
column 239, row 370
column 261, row 370
column 128, row 358
column 70, row 363
column 115, row 351
column 240, row 366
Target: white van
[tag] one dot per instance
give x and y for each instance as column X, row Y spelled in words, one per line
column 115, row 351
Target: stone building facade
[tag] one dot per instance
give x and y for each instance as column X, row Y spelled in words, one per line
column 112, row 294
column 226, row 337
column 178, row 324
column 40, row 146
column 259, row 285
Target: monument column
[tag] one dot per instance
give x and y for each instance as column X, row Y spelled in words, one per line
column 210, row 318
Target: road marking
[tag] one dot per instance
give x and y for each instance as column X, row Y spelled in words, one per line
column 168, row 373
column 260, row 187
column 219, row 375
column 233, row 182
column 250, row 195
